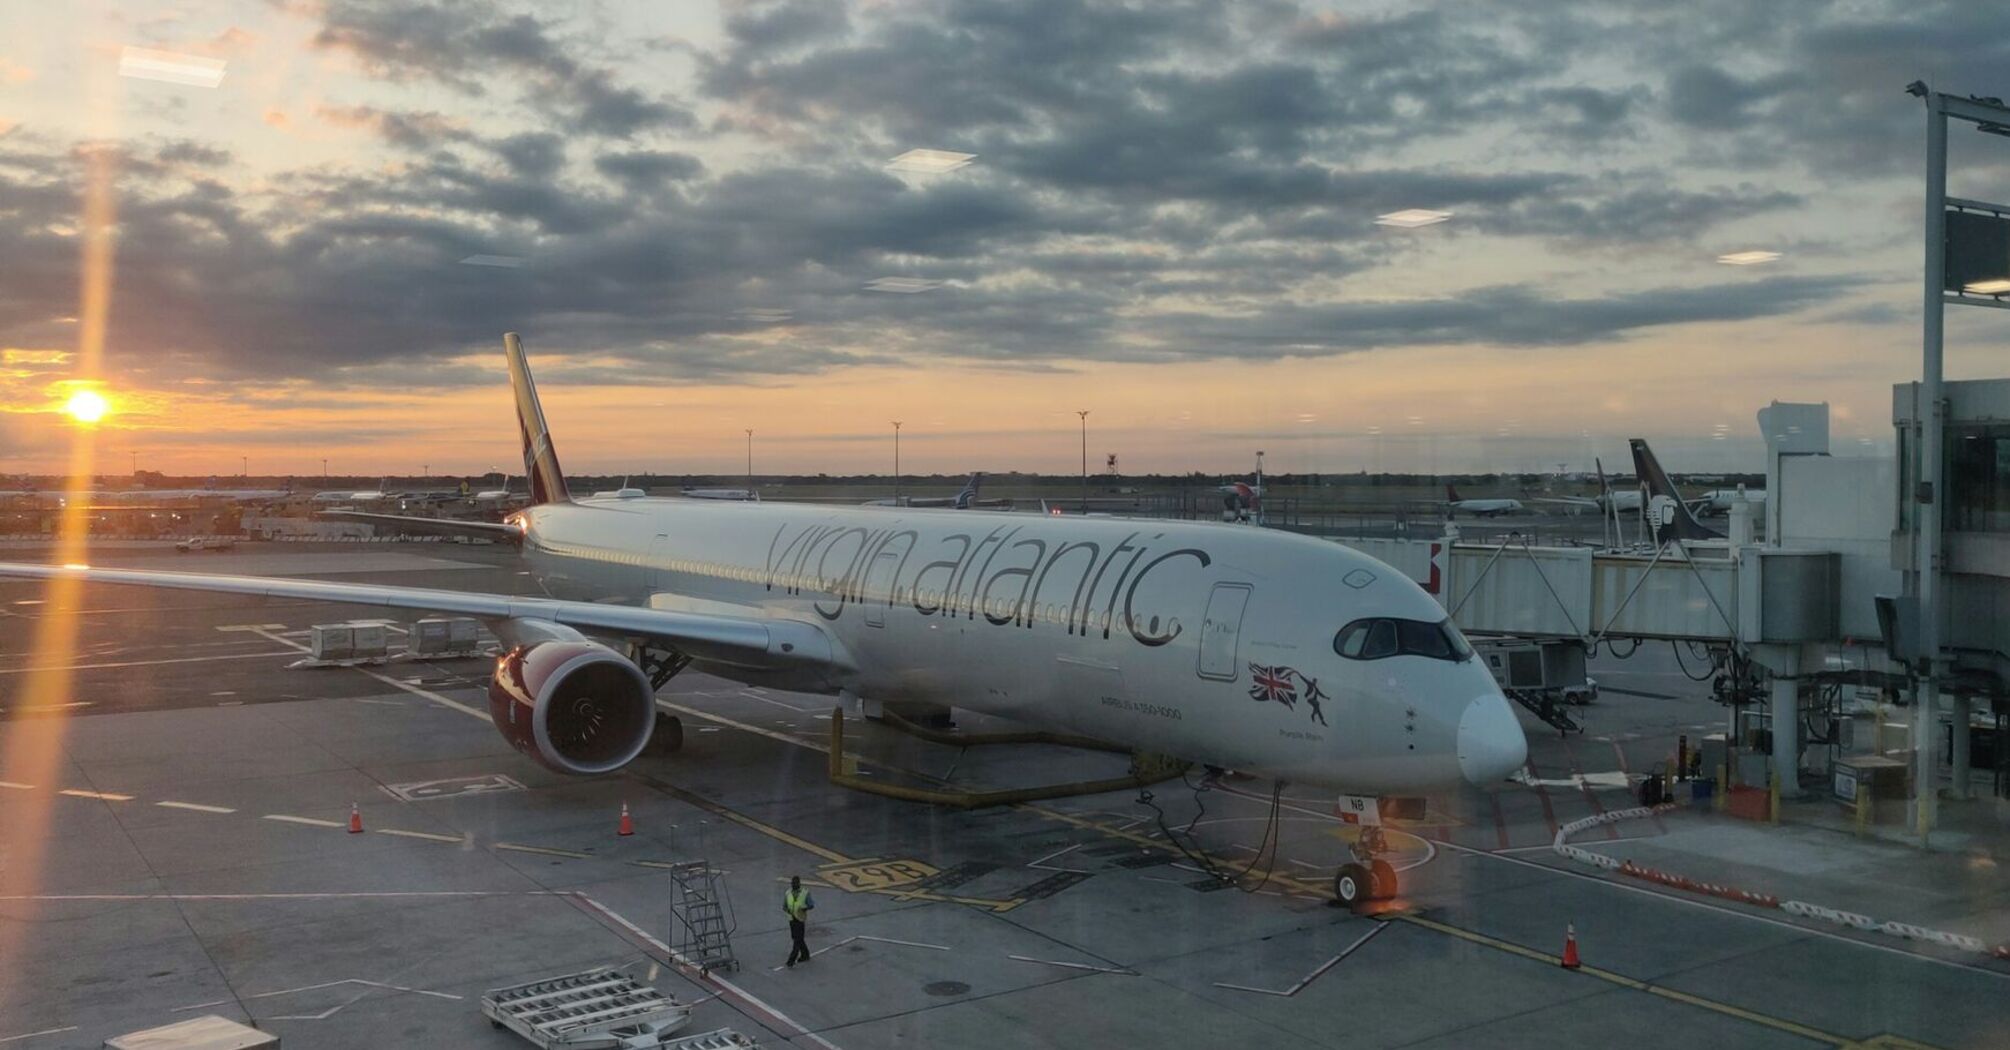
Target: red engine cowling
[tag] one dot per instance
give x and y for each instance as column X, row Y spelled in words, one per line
column 575, row 707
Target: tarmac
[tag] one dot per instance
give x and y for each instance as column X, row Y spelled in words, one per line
column 184, row 850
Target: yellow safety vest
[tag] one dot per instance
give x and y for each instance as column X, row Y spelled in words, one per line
column 794, row 902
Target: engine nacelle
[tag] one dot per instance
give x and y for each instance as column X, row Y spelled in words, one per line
column 573, row 706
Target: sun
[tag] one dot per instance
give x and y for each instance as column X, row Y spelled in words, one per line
column 87, row 406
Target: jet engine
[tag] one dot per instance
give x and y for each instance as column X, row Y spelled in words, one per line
column 573, row 706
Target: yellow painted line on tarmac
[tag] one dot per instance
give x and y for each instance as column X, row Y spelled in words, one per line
column 196, row 806
column 104, row 796
column 736, row 817
column 513, row 847
column 311, row 821
column 1634, row 983
column 419, row 835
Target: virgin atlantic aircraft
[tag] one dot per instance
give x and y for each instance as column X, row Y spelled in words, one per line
column 1250, row 649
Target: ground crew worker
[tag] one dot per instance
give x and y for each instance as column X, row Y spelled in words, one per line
column 797, row 903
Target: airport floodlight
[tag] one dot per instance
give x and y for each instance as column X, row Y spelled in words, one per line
column 1997, row 286
column 1750, row 258
column 902, row 285
column 1411, row 218
column 169, row 67
column 930, row 161
column 507, row 262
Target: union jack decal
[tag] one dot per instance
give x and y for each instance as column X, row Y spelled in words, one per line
column 1286, row 685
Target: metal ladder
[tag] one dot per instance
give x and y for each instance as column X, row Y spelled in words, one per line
column 704, row 917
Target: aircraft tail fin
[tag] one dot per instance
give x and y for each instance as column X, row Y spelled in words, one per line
column 1682, row 524
column 540, row 460
column 1451, row 493
column 969, row 494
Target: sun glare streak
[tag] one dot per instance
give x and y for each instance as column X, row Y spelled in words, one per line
column 31, row 751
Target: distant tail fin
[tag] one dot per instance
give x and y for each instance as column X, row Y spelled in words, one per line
column 1683, row 525
column 1451, row 494
column 969, row 494
column 540, row 460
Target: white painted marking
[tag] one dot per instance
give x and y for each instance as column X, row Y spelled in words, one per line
column 419, row 835
column 31, row 1035
column 224, row 692
column 305, row 820
column 1316, row 973
column 1732, row 912
column 144, row 663
column 691, row 971
column 392, row 682
column 1074, row 966
column 196, row 806
column 171, row 897
column 864, row 937
column 15, row 786
column 105, row 796
column 762, row 697
column 56, row 707
column 1044, row 866
column 323, row 1015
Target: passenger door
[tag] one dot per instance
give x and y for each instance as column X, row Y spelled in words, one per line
column 878, row 582
column 1221, row 631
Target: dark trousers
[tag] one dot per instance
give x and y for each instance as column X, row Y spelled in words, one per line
column 798, row 951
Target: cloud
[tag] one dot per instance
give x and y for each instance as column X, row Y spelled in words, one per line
column 467, row 45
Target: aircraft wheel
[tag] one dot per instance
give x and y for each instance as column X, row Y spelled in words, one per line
column 1384, row 877
column 669, row 736
column 1351, row 885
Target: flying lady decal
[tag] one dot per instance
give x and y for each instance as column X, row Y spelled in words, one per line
column 1287, row 686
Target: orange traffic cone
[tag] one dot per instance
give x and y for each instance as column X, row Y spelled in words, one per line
column 355, row 819
column 627, row 822
column 1570, row 946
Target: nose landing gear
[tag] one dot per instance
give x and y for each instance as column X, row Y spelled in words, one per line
column 1368, row 877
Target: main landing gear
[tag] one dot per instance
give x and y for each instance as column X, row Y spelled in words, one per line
column 661, row 665
column 1367, row 877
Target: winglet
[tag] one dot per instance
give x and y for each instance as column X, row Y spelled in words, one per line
column 1684, row 525
column 540, row 460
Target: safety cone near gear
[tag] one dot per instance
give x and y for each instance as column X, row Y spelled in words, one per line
column 355, row 819
column 1570, row 961
column 627, row 822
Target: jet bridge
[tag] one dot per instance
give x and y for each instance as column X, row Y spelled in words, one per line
column 1712, row 593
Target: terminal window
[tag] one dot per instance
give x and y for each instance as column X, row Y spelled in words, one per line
column 1978, row 478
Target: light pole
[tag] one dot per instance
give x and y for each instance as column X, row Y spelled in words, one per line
column 324, row 470
column 896, row 462
column 750, row 461
column 244, row 466
column 1083, row 413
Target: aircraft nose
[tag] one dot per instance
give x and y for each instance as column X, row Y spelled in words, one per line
column 1490, row 741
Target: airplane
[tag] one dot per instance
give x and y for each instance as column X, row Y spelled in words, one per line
column 208, row 491
column 964, row 500
column 735, row 495
column 1671, row 514
column 1240, row 499
column 1720, row 501
column 1609, row 499
column 501, row 495
column 1484, row 508
column 1251, row 649
column 373, row 496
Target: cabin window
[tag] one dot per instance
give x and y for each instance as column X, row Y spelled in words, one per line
column 1376, row 638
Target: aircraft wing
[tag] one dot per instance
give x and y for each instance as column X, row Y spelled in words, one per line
column 727, row 635
column 492, row 530
column 1571, row 501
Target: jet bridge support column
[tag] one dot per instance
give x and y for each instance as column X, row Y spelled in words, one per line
column 1958, row 744
column 1786, row 720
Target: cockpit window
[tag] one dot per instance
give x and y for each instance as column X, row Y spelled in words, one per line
column 1378, row 637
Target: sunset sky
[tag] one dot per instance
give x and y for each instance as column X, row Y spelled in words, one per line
column 1169, row 220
